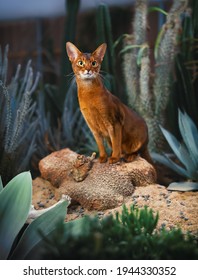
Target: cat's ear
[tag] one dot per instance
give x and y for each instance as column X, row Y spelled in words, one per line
column 100, row 51
column 72, row 51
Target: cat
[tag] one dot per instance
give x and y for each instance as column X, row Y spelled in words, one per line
column 107, row 117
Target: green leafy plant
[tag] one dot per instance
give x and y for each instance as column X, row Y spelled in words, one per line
column 15, row 202
column 129, row 235
column 186, row 152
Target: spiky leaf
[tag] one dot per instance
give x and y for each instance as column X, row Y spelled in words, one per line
column 174, row 144
column 169, row 163
column 1, row 184
column 189, row 134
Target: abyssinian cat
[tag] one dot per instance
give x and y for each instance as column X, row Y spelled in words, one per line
column 107, row 117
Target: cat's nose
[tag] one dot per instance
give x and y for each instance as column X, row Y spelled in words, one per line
column 88, row 71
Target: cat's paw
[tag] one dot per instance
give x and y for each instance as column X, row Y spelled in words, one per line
column 102, row 159
column 130, row 157
column 113, row 160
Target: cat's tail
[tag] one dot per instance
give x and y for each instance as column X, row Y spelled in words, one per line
column 144, row 152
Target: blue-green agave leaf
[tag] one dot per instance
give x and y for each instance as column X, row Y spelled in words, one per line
column 15, row 202
column 76, row 227
column 183, row 186
column 45, row 223
column 190, row 166
column 168, row 162
column 1, row 184
column 174, row 144
column 189, row 134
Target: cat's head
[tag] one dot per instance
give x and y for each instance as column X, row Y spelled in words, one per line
column 86, row 66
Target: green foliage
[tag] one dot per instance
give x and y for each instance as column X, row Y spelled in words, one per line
column 71, row 130
column 185, row 86
column 130, row 235
column 186, row 151
column 104, row 35
column 13, row 213
column 29, row 130
column 15, row 202
column 17, row 120
column 146, row 95
column 69, row 35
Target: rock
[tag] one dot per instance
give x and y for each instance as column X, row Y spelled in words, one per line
column 99, row 186
column 57, row 166
column 81, row 167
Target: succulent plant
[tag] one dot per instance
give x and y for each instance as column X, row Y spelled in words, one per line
column 17, row 119
column 15, row 203
column 185, row 151
column 147, row 95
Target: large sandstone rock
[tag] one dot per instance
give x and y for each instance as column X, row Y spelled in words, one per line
column 94, row 185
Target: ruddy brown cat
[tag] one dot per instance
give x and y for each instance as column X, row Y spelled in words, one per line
column 107, row 117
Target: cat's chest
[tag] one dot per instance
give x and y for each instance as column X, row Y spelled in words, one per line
column 97, row 118
column 94, row 105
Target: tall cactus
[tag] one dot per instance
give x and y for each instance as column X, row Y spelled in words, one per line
column 72, row 7
column 150, row 97
column 18, row 120
column 130, row 67
column 104, row 34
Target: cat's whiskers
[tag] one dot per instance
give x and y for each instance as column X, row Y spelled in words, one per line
column 71, row 77
column 103, row 77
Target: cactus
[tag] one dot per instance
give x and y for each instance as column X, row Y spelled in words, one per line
column 70, row 31
column 104, row 34
column 147, row 96
column 17, row 125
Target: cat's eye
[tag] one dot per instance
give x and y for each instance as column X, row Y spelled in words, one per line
column 94, row 63
column 80, row 63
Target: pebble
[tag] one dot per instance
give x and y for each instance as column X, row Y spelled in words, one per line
column 41, row 205
column 163, row 225
column 146, row 197
column 168, row 201
column 81, row 210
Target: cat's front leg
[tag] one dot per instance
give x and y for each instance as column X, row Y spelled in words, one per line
column 115, row 134
column 102, row 152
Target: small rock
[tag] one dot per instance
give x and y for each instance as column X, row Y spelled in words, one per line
column 41, row 205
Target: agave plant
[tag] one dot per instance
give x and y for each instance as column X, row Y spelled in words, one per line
column 186, row 152
column 15, row 204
